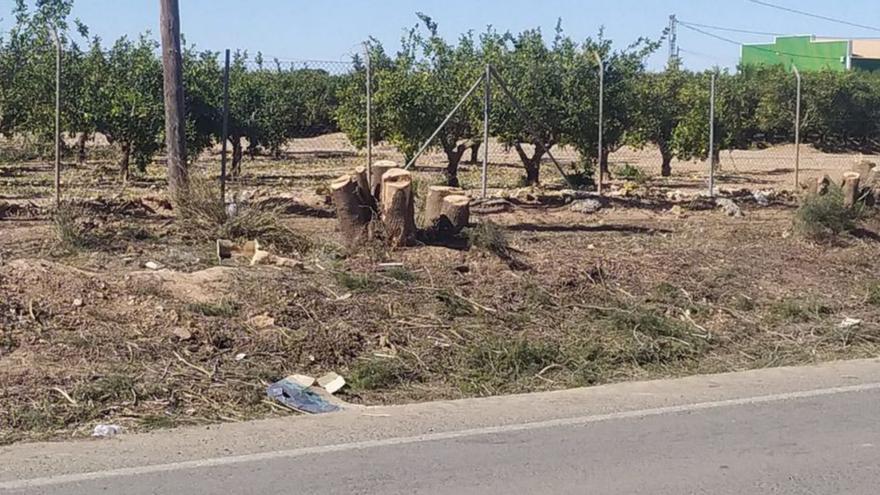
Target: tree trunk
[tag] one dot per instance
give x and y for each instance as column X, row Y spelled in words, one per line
column 456, row 211
column 532, row 163
column 81, row 148
column 352, row 215
column 175, row 114
column 475, row 153
column 360, row 176
column 434, row 202
column 398, row 211
column 236, row 156
column 666, row 166
column 125, row 161
column 603, row 165
column 453, row 158
column 379, row 169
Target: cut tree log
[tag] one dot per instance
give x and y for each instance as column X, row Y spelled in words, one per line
column 434, row 202
column 352, row 215
column 360, row 174
column 819, row 186
column 398, row 211
column 456, row 210
column 378, row 170
column 850, row 189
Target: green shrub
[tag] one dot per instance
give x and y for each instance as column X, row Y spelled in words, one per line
column 824, row 217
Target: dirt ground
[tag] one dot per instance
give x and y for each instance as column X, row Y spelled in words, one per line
column 657, row 283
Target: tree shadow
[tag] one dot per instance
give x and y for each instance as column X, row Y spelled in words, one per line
column 866, row 235
column 626, row 229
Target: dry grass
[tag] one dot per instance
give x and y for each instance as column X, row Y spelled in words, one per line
column 541, row 299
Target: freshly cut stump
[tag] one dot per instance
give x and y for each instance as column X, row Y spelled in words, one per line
column 352, row 215
column 378, row 170
column 360, row 175
column 434, row 202
column 456, row 209
column 398, row 211
column 850, row 189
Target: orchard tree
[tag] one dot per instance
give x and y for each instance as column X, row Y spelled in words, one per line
column 130, row 112
column 203, row 80
column 657, row 112
column 622, row 72
column 421, row 86
column 351, row 97
column 532, row 72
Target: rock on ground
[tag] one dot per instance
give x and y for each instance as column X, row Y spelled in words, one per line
column 586, row 206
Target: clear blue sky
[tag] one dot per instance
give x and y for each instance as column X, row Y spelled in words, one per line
column 332, row 30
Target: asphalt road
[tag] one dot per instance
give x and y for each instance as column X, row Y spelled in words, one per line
column 790, row 431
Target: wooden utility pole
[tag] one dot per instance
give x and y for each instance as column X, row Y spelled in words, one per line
column 175, row 129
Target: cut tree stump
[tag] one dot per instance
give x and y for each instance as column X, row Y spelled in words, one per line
column 456, row 210
column 434, row 202
column 379, row 169
column 818, row 186
column 367, row 199
column 352, row 215
column 398, row 211
column 850, row 189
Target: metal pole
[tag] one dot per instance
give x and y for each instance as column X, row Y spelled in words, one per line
column 442, row 124
column 712, row 138
column 601, row 118
column 57, row 115
column 797, row 131
column 369, row 84
column 225, row 130
column 487, row 80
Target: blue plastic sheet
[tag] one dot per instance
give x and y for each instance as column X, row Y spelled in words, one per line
column 299, row 398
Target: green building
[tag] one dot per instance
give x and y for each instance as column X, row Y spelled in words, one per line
column 810, row 53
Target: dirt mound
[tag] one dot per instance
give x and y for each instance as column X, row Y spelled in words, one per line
column 39, row 278
column 204, row 286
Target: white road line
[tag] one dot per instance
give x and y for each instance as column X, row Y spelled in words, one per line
column 432, row 437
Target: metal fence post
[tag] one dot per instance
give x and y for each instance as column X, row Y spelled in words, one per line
column 369, row 84
column 487, row 81
column 601, row 119
column 57, row 40
column 712, row 138
column 797, row 130
column 225, row 130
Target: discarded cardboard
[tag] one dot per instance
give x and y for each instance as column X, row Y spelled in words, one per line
column 331, row 382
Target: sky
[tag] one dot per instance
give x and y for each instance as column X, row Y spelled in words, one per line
column 333, row 30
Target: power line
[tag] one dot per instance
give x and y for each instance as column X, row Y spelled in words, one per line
column 815, row 16
column 732, row 30
column 734, row 42
column 702, row 55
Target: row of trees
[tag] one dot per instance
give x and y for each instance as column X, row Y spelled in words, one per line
column 557, row 83
column 117, row 91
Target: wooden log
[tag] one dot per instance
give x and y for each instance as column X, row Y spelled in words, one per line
column 379, row 169
column 822, row 185
column 456, row 209
column 398, row 210
column 360, row 174
column 434, row 202
column 352, row 215
column 850, row 189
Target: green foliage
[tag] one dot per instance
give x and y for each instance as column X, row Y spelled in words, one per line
column 824, row 217
column 354, row 282
column 381, row 373
column 72, row 228
column 222, row 309
column 873, row 297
